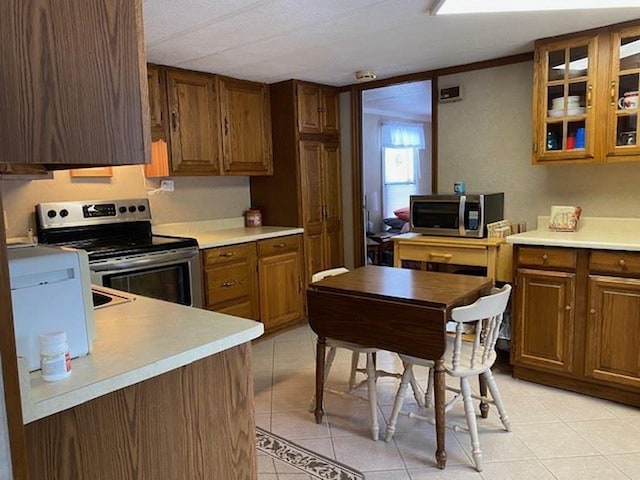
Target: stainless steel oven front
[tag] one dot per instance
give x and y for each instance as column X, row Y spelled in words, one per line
column 171, row 275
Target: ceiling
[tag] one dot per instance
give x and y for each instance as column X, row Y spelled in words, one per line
column 327, row 41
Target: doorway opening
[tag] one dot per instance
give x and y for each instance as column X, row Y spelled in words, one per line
column 396, row 154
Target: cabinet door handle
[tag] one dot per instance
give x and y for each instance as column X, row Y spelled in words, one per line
column 226, row 126
column 592, row 311
column 545, row 257
column 280, row 245
column 622, row 263
column 568, row 308
column 227, row 254
column 174, row 120
column 612, row 93
column 589, row 95
column 232, row 283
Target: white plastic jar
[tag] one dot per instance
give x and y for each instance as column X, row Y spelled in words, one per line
column 55, row 361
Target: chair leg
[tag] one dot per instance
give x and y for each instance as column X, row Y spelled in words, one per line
column 373, row 397
column 407, row 375
column 355, row 356
column 495, row 394
column 417, row 391
column 471, row 422
column 428, row 394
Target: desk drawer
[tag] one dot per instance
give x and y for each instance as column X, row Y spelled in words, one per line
column 275, row 246
column 614, row 262
column 547, row 257
column 232, row 253
column 475, row 256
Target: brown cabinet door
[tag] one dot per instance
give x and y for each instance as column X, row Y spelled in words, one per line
column 309, row 115
column 330, row 111
column 332, row 197
column 565, row 101
column 246, row 128
column 157, row 102
column 281, row 292
column 612, row 351
column 312, row 204
column 73, row 87
column 544, row 320
column 193, row 123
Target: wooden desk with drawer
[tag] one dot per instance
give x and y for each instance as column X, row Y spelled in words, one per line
column 494, row 254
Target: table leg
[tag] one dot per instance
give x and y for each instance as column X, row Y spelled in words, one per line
column 320, row 356
column 484, row 406
column 439, row 393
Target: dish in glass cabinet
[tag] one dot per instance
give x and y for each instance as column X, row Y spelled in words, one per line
column 570, row 112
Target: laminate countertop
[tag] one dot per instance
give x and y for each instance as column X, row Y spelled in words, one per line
column 595, row 232
column 136, row 340
column 222, row 232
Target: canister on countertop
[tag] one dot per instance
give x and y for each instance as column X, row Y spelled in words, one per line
column 253, row 217
column 55, row 360
column 459, row 188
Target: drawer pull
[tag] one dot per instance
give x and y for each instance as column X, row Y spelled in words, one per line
column 280, row 245
column 441, row 255
column 592, row 311
column 227, row 254
column 622, row 263
column 545, row 257
column 568, row 308
column 232, row 283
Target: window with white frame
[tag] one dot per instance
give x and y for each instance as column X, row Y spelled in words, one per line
column 401, row 144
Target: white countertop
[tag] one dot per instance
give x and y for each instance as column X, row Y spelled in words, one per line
column 221, row 232
column 595, row 232
column 135, row 341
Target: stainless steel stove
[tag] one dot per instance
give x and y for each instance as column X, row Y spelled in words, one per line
column 123, row 252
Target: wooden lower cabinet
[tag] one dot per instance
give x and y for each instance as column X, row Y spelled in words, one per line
column 612, row 352
column 576, row 318
column 193, row 422
column 259, row 280
column 280, row 276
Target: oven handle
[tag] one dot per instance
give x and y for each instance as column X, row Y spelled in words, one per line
column 115, row 265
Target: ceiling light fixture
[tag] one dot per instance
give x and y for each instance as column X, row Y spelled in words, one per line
column 365, row 76
column 444, row 7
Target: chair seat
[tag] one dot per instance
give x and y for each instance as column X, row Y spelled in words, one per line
column 349, row 346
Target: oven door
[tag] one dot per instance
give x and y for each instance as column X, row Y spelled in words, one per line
column 173, row 276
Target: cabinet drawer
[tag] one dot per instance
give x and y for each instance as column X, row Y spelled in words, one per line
column 475, row 256
column 614, row 262
column 232, row 253
column 226, row 282
column 274, row 246
column 547, row 257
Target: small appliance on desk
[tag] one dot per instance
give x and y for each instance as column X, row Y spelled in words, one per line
column 50, row 290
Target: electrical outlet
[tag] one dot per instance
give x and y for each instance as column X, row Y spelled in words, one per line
column 167, row 185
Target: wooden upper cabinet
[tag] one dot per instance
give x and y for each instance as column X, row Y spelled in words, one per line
column 318, row 110
column 246, row 128
column 74, row 83
column 158, row 103
column 585, row 100
column 193, row 123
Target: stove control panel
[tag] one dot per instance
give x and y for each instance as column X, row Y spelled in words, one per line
column 72, row 214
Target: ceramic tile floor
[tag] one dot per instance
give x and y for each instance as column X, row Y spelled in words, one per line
column 555, row 434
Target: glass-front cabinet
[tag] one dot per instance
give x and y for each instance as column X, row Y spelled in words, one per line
column 622, row 136
column 586, row 97
column 565, row 101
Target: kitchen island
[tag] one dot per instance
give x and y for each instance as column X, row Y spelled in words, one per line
column 577, row 307
column 167, row 392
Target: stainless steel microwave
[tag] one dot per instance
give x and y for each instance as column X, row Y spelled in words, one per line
column 465, row 215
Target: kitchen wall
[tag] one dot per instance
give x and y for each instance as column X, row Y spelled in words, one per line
column 485, row 141
column 194, row 198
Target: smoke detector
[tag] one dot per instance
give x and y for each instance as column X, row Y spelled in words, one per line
column 365, row 76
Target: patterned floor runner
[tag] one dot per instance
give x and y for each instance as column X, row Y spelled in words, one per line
column 311, row 463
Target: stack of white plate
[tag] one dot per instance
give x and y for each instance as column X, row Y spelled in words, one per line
column 570, row 112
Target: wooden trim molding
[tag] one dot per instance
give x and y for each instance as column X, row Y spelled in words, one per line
column 356, row 178
column 10, row 367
